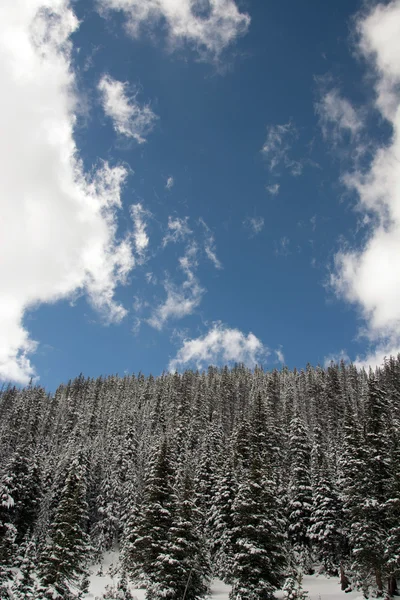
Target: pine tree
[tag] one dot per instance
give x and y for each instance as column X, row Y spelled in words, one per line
column 368, row 505
column 147, row 533
column 259, row 554
column 105, row 530
column 392, row 509
column 185, row 569
column 300, row 493
column 8, row 534
column 24, row 586
column 327, row 514
column 220, row 522
column 66, row 553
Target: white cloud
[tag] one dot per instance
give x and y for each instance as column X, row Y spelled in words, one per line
column 369, row 276
column 255, row 224
column 209, row 245
column 313, row 222
column 140, row 237
column 221, row 345
column 170, row 183
column 128, row 117
column 151, row 278
column 209, row 26
column 375, row 358
column 277, row 146
column 336, row 358
column 183, row 299
column 273, row 189
column 337, row 115
column 58, row 229
column 136, row 325
column 380, row 43
column 178, row 230
column 282, row 247
column 279, row 355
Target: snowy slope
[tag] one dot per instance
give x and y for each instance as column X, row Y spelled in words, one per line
column 319, row 587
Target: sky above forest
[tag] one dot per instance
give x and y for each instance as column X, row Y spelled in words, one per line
column 195, row 182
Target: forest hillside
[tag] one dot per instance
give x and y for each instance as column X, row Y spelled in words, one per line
column 249, row 476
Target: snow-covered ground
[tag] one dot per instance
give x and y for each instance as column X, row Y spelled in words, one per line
column 319, row 587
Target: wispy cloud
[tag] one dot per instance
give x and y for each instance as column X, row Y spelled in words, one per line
column 279, row 355
column 273, row 189
column 208, row 27
column 64, row 219
column 151, row 278
column 129, row 118
column 170, row 183
column 220, row 345
column 183, row 299
column 282, row 246
column 277, row 147
column 140, row 237
column 254, row 224
column 336, row 358
column 368, row 276
column 209, row 245
column 337, row 117
column 178, row 230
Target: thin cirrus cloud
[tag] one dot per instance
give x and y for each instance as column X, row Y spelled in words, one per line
column 140, row 237
column 337, row 116
column 220, row 345
column 181, row 300
column 170, row 183
column 209, row 245
column 277, row 149
column 129, row 118
column 209, row 29
column 177, row 230
column 273, row 189
column 254, row 224
column 64, row 220
column 369, row 276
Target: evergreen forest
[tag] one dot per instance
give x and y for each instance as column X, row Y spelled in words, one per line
column 250, row 476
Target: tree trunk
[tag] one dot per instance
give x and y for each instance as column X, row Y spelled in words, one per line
column 379, row 582
column 392, row 586
column 344, row 582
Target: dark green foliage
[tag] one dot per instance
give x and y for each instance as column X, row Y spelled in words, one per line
column 163, row 539
column 8, row 532
column 185, row 468
column 325, row 532
column 258, row 531
column 220, row 523
column 300, row 491
column 24, row 586
column 64, row 557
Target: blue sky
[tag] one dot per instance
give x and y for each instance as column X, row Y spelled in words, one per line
column 193, row 183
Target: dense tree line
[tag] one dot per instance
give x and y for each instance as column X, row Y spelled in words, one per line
column 249, row 476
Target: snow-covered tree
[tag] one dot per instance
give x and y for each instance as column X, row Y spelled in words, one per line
column 259, row 542
column 64, row 558
column 300, row 492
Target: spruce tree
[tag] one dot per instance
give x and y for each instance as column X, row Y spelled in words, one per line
column 259, row 552
column 187, row 569
column 66, row 553
column 147, row 540
column 300, row 493
column 220, row 522
column 368, row 506
column 24, row 586
column 8, row 534
column 324, row 532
